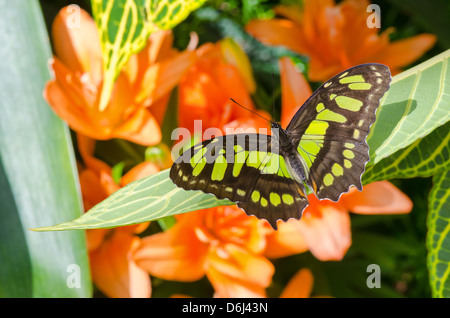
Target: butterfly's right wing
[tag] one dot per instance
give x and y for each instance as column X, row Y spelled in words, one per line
column 244, row 169
column 330, row 129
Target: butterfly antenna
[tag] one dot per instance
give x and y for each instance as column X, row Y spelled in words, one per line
column 273, row 96
column 251, row 111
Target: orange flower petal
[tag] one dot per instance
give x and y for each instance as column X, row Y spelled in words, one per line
column 378, row 198
column 276, row 32
column 95, row 238
column 76, row 42
column 295, row 90
column 300, row 286
column 234, row 272
column 336, row 37
column 65, row 108
column 140, row 171
column 292, row 12
column 141, row 127
column 176, row 254
column 72, row 100
column 228, row 287
column 328, row 236
column 114, row 271
column 205, row 91
column 287, row 240
column 403, row 52
column 234, row 55
column 79, row 89
column 92, row 188
column 237, row 262
column 200, row 98
column 86, row 148
column 162, row 77
column 232, row 84
column 252, row 124
column 161, row 45
column 56, row 98
column 158, row 109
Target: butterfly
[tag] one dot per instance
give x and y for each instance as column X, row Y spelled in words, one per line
column 323, row 148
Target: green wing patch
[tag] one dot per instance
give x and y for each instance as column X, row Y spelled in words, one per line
column 330, row 129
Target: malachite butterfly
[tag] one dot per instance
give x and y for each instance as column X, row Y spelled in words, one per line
column 323, row 148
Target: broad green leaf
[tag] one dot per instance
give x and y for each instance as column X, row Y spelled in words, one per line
column 124, row 27
column 416, row 103
column 423, row 158
column 438, row 236
column 147, row 199
column 38, row 179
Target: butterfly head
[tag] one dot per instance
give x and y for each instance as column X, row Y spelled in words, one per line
column 280, row 135
column 274, row 125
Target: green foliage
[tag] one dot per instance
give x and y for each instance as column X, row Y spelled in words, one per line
column 415, row 105
column 438, row 238
column 38, row 178
column 423, row 158
column 147, row 199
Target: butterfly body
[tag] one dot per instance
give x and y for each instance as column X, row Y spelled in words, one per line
column 323, row 148
column 294, row 162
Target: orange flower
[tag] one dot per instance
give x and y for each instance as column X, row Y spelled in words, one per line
column 222, row 71
column 336, row 37
column 223, row 243
column 114, row 271
column 295, row 90
column 325, row 226
column 140, row 94
column 299, row 286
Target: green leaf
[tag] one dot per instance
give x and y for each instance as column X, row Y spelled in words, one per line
column 38, row 179
column 124, row 27
column 167, row 14
column 416, row 104
column 167, row 222
column 423, row 158
column 438, row 238
column 147, row 199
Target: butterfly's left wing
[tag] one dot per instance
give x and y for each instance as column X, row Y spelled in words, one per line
column 331, row 127
column 243, row 168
